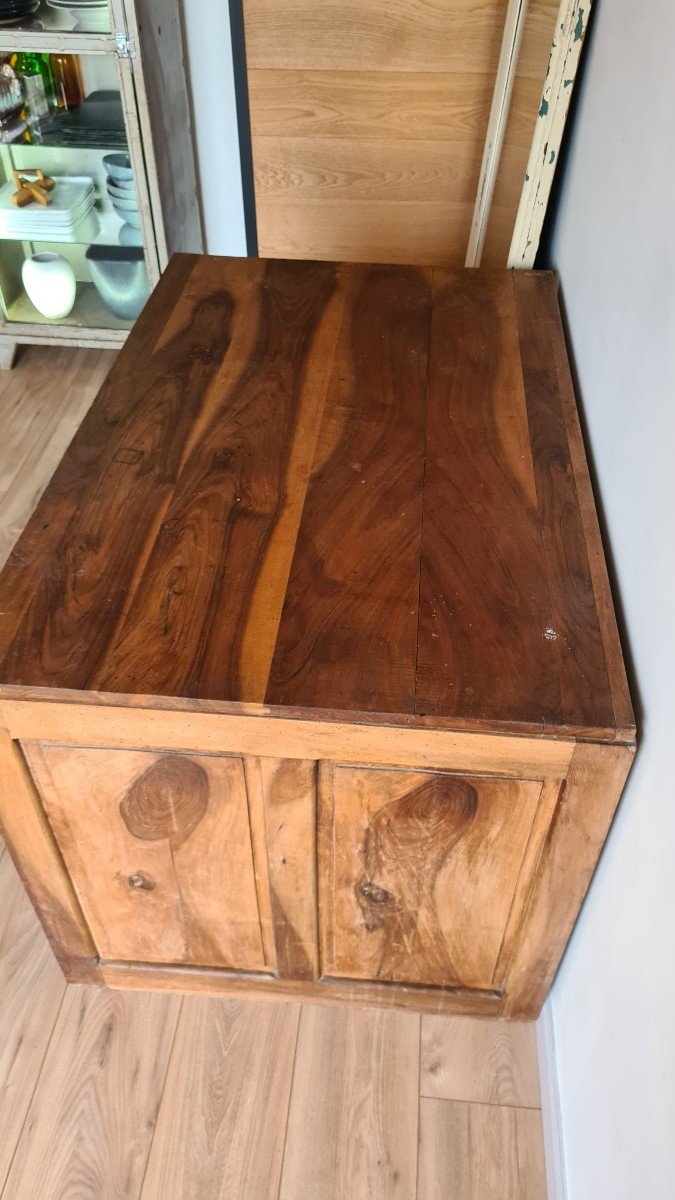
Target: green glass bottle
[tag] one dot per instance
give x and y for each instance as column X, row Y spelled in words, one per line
column 50, row 83
column 35, row 80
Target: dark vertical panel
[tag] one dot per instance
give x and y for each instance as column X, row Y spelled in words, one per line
column 243, row 123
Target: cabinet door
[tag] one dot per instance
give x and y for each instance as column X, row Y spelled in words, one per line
column 158, row 848
column 419, row 873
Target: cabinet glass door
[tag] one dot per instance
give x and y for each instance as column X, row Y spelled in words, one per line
column 72, row 205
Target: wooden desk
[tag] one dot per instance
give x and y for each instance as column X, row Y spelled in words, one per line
column 311, row 683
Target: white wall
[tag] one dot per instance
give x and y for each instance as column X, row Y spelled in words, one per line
column 614, row 245
column 209, row 53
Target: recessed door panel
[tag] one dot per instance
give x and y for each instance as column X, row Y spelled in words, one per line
column 421, row 872
column 158, row 847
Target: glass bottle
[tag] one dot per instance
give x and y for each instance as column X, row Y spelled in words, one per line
column 67, row 80
column 49, row 82
column 30, row 69
column 35, row 80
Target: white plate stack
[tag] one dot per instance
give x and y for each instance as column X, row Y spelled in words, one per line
column 92, row 16
column 69, row 218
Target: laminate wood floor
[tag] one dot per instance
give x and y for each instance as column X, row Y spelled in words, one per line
column 106, row 1095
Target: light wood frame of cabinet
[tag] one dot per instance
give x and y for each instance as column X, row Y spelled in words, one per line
column 146, row 44
column 580, row 782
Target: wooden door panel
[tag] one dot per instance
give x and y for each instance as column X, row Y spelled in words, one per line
column 158, row 847
column 420, row 873
column 369, row 120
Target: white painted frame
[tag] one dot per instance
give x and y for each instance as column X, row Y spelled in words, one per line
column 555, row 101
column 571, row 25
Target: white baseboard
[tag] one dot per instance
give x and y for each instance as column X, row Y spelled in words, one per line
column 550, row 1106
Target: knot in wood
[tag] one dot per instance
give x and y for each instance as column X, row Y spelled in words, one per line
column 139, row 880
column 373, row 893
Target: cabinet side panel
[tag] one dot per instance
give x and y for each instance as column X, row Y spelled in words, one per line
column 38, row 860
column 160, row 73
column 576, row 836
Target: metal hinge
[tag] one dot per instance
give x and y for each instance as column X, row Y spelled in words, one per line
column 125, row 45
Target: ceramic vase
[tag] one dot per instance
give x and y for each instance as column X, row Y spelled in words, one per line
column 120, row 278
column 50, row 283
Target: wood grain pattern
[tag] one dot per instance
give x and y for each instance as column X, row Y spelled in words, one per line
column 353, row 1132
column 339, row 526
column 592, row 791
column 194, row 729
column 374, row 35
column 158, row 847
column 261, row 541
column 230, row 492
column 444, row 1165
column 92, row 1117
column 434, row 233
column 286, row 790
column 537, row 305
column 473, row 1150
column 37, row 857
column 421, row 872
column 481, row 532
column 354, row 104
column 297, row 169
column 123, row 465
column 51, row 390
column 31, row 993
column 223, row 1110
column 329, row 992
column 368, row 123
column 514, row 22
column 354, row 576
column 233, row 1063
column 488, row 1062
column 584, row 681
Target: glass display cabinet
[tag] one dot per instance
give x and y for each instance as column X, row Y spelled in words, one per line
column 97, row 172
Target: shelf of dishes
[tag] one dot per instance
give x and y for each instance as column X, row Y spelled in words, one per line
column 92, row 201
column 60, row 100
column 67, row 16
column 97, row 287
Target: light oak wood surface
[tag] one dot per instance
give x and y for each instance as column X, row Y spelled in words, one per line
column 369, row 120
column 222, row 1124
column 31, row 992
column 91, row 1119
column 487, row 1062
column 353, row 1131
column 479, row 1152
column 84, row 1102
